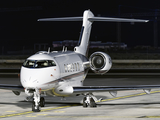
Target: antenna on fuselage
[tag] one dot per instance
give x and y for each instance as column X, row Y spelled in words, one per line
column 48, row 50
column 63, row 48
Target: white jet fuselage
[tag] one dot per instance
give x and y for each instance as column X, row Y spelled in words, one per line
column 62, row 73
column 39, row 72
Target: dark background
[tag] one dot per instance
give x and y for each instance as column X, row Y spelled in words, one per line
column 20, row 30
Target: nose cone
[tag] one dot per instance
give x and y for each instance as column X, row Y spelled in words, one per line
column 29, row 81
column 29, row 77
column 36, row 78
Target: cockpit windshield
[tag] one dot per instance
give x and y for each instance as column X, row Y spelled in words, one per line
column 38, row 63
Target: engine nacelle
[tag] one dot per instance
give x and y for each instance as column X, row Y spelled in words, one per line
column 100, row 62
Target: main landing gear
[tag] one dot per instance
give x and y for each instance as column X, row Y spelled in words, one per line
column 37, row 102
column 89, row 100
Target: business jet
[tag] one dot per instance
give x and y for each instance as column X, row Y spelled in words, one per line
column 62, row 73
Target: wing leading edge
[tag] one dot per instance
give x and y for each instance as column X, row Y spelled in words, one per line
column 85, row 89
column 12, row 87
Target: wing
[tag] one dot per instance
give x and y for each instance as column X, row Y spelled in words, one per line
column 12, row 87
column 88, row 89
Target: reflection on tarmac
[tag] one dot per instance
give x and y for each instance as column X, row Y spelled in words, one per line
column 127, row 105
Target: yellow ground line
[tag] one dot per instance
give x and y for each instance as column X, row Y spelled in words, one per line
column 31, row 116
column 128, row 96
column 151, row 117
column 10, row 111
column 29, row 112
column 59, row 111
column 49, row 109
column 91, row 116
column 16, row 114
column 55, row 116
column 41, row 114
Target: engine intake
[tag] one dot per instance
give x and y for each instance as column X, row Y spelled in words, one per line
column 100, row 62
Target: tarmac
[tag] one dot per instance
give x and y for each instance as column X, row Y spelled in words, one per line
column 128, row 105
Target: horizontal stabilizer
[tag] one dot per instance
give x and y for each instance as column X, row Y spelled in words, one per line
column 62, row 19
column 92, row 19
column 109, row 19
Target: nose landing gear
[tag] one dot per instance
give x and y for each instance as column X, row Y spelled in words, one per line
column 37, row 102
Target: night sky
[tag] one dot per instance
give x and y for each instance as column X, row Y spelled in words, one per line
column 19, row 26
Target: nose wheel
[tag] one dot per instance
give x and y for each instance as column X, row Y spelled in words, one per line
column 35, row 108
column 42, row 102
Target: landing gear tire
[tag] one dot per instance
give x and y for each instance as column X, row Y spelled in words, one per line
column 92, row 103
column 35, row 108
column 42, row 102
column 84, row 102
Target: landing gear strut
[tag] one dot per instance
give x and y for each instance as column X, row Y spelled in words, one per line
column 37, row 102
column 89, row 100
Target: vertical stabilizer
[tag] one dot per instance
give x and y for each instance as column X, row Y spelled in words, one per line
column 85, row 33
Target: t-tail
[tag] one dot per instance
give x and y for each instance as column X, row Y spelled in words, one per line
column 83, row 43
column 88, row 18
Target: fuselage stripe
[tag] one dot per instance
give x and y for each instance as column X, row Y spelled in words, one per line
column 67, row 77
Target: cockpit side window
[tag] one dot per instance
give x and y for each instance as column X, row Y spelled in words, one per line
column 29, row 63
column 38, row 63
column 51, row 63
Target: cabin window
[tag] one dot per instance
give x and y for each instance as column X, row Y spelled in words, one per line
column 78, row 66
column 65, row 67
column 72, row 67
column 68, row 67
column 75, row 66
